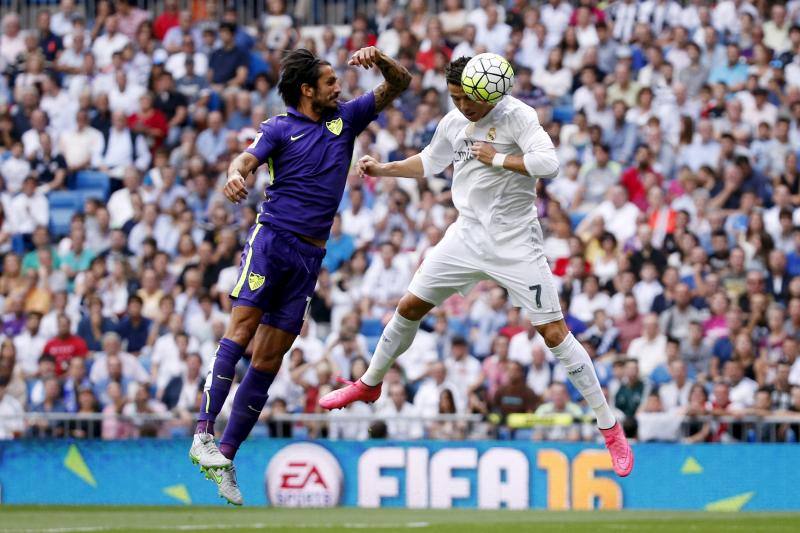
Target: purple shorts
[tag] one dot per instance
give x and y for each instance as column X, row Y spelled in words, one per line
column 278, row 274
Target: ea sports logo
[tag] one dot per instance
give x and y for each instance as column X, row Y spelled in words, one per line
column 304, row 475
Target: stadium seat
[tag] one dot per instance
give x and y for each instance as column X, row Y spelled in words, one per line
column 371, row 327
column 458, row 327
column 563, row 114
column 63, row 204
column 372, row 343
column 99, row 194
column 257, row 66
column 60, row 218
column 64, row 200
column 90, row 179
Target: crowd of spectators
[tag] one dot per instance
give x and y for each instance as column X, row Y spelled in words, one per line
column 673, row 228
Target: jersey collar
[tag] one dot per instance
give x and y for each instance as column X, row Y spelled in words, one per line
column 295, row 113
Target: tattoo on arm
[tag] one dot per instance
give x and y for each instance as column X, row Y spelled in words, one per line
column 396, row 80
column 245, row 163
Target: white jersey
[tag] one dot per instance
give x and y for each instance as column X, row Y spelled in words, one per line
column 497, row 235
column 500, row 201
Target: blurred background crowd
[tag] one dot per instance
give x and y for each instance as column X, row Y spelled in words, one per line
column 673, row 228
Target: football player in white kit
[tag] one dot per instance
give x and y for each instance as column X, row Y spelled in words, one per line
column 497, row 152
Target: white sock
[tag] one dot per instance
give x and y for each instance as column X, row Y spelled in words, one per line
column 580, row 371
column 397, row 336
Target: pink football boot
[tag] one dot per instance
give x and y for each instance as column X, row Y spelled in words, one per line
column 620, row 450
column 353, row 392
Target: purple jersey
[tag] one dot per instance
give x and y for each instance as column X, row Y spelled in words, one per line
column 308, row 164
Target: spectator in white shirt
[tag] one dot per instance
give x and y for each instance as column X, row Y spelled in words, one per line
column 83, row 147
column 174, row 36
column 71, row 60
column 176, row 64
column 555, row 16
column 15, row 169
column 124, row 95
column 61, row 21
column 427, row 398
column 675, row 394
column 463, row 369
column 11, row 411
column 660, row 14
column 109, row 42
column 618, row 214
column 30, row 344
column 646, row 290
column 488, row 314
column 650, row 350
column 554, row 78
column 12, row 41
column 112, row 349
column 479, row 17
column 398, row 406
column 589, row 300
column 776, row 29
column 542, row 373
column 416, row 361
column 384, row 283
column 168, row 351
column 29, row 209
column 123, row 148
column 357, row 219
column 743, row 389
column 757, row 109
column 495, row 34
column 585, row 28
column 120, row 204
column 58, row 104
column 522, row 344
column 152, row 225
column 30, row 139
column 466, row 48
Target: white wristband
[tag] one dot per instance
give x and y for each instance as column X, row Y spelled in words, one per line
column 498, row 160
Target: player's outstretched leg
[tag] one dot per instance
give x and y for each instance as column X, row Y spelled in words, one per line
column 218, row 383
column 204, row 452
column 268, row 348
column 397, row 336
column 249, row 400
column 580, row 372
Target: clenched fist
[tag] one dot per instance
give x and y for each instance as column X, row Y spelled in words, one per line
column 368, row 165
column 235, row 188
column 366, row 57
column 483, row 152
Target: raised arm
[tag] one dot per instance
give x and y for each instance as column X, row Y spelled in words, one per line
column 407, row 168
column 396, row 77
column 242, row 165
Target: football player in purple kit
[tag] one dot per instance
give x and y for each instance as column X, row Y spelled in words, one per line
column 308, row 151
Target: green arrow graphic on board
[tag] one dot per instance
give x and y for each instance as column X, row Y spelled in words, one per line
column 732, row 504
column 691, row 466
column 179, row 492
column 74, row 463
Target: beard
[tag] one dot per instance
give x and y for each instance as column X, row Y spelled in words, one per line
column 321, row 105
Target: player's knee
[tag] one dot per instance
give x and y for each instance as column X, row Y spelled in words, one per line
column 241, row 332
column 413, row 308
column 269, row 361
column 553, row 333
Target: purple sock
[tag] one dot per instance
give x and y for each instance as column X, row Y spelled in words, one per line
column 218, row 384
column 247, row 405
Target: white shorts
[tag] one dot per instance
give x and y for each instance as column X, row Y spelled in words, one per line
column 518, row 266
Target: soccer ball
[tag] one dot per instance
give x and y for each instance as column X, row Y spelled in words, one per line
column 487, row 78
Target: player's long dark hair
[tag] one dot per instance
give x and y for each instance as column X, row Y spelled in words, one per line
column 298, row 67
column 452, row 72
